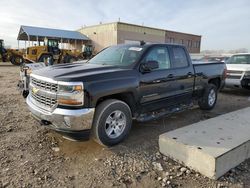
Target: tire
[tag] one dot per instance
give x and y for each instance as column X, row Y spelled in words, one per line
column 107, row 115
column 25, row 93
column 66, row 59
column 209, row 98
column 73, row 59
column 17, row 60
column 44, row 58
column 69, row 59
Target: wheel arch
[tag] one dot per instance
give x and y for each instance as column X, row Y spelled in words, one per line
column 216, row 82
column 127, row 97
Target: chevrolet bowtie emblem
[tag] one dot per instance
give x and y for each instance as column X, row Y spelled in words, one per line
column 35, row 90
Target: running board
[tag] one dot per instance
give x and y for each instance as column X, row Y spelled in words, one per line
column 163, row 112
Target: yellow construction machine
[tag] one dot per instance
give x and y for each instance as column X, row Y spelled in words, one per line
column 51, row 54
column 15, row 56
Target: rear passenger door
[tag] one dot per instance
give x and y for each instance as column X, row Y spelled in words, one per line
column 184, row 73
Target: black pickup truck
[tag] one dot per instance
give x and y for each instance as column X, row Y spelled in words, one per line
column 120, row 84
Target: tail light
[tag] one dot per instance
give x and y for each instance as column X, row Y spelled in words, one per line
column 225, row 73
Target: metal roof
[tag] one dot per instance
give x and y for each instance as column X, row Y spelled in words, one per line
column 33, row 33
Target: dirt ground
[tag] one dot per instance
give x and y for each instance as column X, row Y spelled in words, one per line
column 32, row 156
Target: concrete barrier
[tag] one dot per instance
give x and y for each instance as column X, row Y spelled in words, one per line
column 213, row 146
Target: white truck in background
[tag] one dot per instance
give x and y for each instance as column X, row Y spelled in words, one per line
column 238, row 71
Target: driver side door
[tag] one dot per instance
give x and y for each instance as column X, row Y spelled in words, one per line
column 157, row 87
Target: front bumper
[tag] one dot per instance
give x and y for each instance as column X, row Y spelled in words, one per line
column 238, row 83
column 233, row 83
column 74, row 124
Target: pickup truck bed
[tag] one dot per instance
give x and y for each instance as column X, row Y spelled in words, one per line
column 214, row 71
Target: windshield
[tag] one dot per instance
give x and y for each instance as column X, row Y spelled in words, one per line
column 239, row 59
column 118, row 56
column 53, row 43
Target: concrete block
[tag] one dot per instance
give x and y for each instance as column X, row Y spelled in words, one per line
column 213, row 146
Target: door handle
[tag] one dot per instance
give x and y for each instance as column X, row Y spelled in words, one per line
column 170, row 76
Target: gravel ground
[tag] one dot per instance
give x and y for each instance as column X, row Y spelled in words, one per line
column 32, row 156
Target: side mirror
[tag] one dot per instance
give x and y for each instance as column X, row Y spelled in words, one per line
column 149, row 66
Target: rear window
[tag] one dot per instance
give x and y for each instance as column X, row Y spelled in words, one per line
column 179, row 57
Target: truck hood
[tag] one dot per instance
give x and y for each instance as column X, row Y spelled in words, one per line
column 77, row 71
column 238, row 67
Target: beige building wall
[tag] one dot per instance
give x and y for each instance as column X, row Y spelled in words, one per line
column 128, row 33
column 102, row 35
column 105, row 35
column 192, row 42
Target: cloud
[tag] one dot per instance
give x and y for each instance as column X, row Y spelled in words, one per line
column 223, row 24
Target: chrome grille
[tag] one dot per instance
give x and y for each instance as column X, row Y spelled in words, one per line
column 44, row 85
column 47, row 102
column 234, row 76
column 43, row 93
column 234, row 72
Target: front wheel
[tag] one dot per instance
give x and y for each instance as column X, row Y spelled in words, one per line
column 47, row 59
column 16, row 60
column 69, row 59
column 112, row 122
column 209, row 98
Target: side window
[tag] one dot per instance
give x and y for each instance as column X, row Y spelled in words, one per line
column 34, row 51
column 161, row 55
column 179, row 57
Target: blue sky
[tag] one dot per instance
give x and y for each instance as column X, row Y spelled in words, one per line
column 223, row 24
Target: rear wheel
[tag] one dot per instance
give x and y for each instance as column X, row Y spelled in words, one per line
column 112, row 122
column 209, row 98
column 17, row 60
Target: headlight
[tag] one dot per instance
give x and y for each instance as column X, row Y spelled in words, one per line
column 70, row 94
column 70, row 88
column 247, row 73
